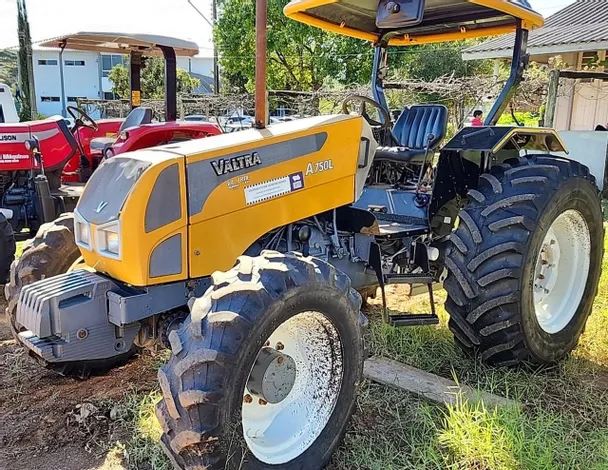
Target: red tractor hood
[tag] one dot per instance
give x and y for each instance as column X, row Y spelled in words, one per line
column 57, row 144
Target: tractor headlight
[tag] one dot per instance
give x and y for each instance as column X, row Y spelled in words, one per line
column 108, row 240
column 82, row 232
column 112, row 242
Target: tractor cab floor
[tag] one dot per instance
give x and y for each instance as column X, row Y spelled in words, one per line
column 397, row 224
column 69, row 190
column 395, row 210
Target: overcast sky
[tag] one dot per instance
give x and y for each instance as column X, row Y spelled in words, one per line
column 51, row 18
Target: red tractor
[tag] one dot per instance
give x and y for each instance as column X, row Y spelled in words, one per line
column 44, row 164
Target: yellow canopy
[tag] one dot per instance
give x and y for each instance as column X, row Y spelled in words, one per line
column 442, row 20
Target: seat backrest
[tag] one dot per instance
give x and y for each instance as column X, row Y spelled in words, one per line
column 137, row 117
column 416, row 123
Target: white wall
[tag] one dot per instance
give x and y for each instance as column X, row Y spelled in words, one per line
column 85, row 81
column 201, row 65
column 581, row 104
column 80, row 81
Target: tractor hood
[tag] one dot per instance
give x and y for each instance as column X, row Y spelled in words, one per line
column 184, row 210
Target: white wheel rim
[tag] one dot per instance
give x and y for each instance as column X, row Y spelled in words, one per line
column 279, row 433
column 561, row 272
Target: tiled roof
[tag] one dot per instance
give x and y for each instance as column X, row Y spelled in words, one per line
column 584, row 21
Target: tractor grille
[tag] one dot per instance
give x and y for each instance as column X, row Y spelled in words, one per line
column 40, row 302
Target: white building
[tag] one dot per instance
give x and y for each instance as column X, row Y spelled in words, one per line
column 86, row 76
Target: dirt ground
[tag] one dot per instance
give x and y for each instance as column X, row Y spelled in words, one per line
column 44, row 419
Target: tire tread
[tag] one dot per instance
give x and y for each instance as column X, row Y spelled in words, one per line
column 485, row 260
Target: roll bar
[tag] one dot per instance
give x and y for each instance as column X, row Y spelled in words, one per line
column 519, row 65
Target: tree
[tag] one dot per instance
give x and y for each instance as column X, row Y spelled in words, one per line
column 152, row 80
column 299, row 57
column 27, row 93
column 431, row 61
column 8, row 68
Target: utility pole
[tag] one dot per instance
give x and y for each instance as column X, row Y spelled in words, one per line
column 261, row 19
column 216, row 69
column 62, row 79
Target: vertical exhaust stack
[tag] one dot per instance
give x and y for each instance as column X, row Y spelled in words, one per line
column 260, row 63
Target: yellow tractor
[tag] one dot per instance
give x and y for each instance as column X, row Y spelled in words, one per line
column 267, row 353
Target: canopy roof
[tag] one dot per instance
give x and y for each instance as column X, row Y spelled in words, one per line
column 442, row 20
column 122, row 43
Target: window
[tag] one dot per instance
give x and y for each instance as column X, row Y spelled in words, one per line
column 590, row 59
column 74, row 99
column 49, row 99
column 1, row 115
column 77, row 63
column 47, row 62
column 108, row 95
column 109, row 61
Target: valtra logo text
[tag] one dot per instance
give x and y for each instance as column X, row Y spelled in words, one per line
column 229, row 165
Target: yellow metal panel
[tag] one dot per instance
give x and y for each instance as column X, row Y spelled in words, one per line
column 298, row 10
column 534, row 19
column 226, row 225
column 219, row 241
column 408, row 40
column 137, row 245
column 328, row 178
column 331, row 27
column 529, row 130
column 341, row 147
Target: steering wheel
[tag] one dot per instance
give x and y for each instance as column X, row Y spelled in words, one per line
column 82, row 118
column 386, row 125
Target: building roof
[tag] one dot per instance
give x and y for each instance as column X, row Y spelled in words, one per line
column 581, row 26
column 205, row 84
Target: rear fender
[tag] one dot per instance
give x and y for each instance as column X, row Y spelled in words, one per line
column 475, row 150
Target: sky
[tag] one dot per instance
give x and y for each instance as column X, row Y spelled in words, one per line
column 52, row 18
column 177, row 18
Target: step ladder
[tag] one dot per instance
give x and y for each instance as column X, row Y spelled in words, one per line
column 425, row 278
column 410, row 319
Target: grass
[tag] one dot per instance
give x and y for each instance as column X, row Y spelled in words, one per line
column 563, row 423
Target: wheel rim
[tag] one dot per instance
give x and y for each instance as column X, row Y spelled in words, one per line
column 278, row 433
column 562, row 269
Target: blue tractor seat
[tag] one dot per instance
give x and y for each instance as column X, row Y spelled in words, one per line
column 417, row 128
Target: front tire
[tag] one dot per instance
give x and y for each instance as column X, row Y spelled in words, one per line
column 7, row 248
column 305, row 309
column 518, row 291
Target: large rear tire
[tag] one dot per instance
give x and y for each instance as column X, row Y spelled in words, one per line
column 51, row 252
column 211, row 416
column 525, row 262
column 7, row 248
